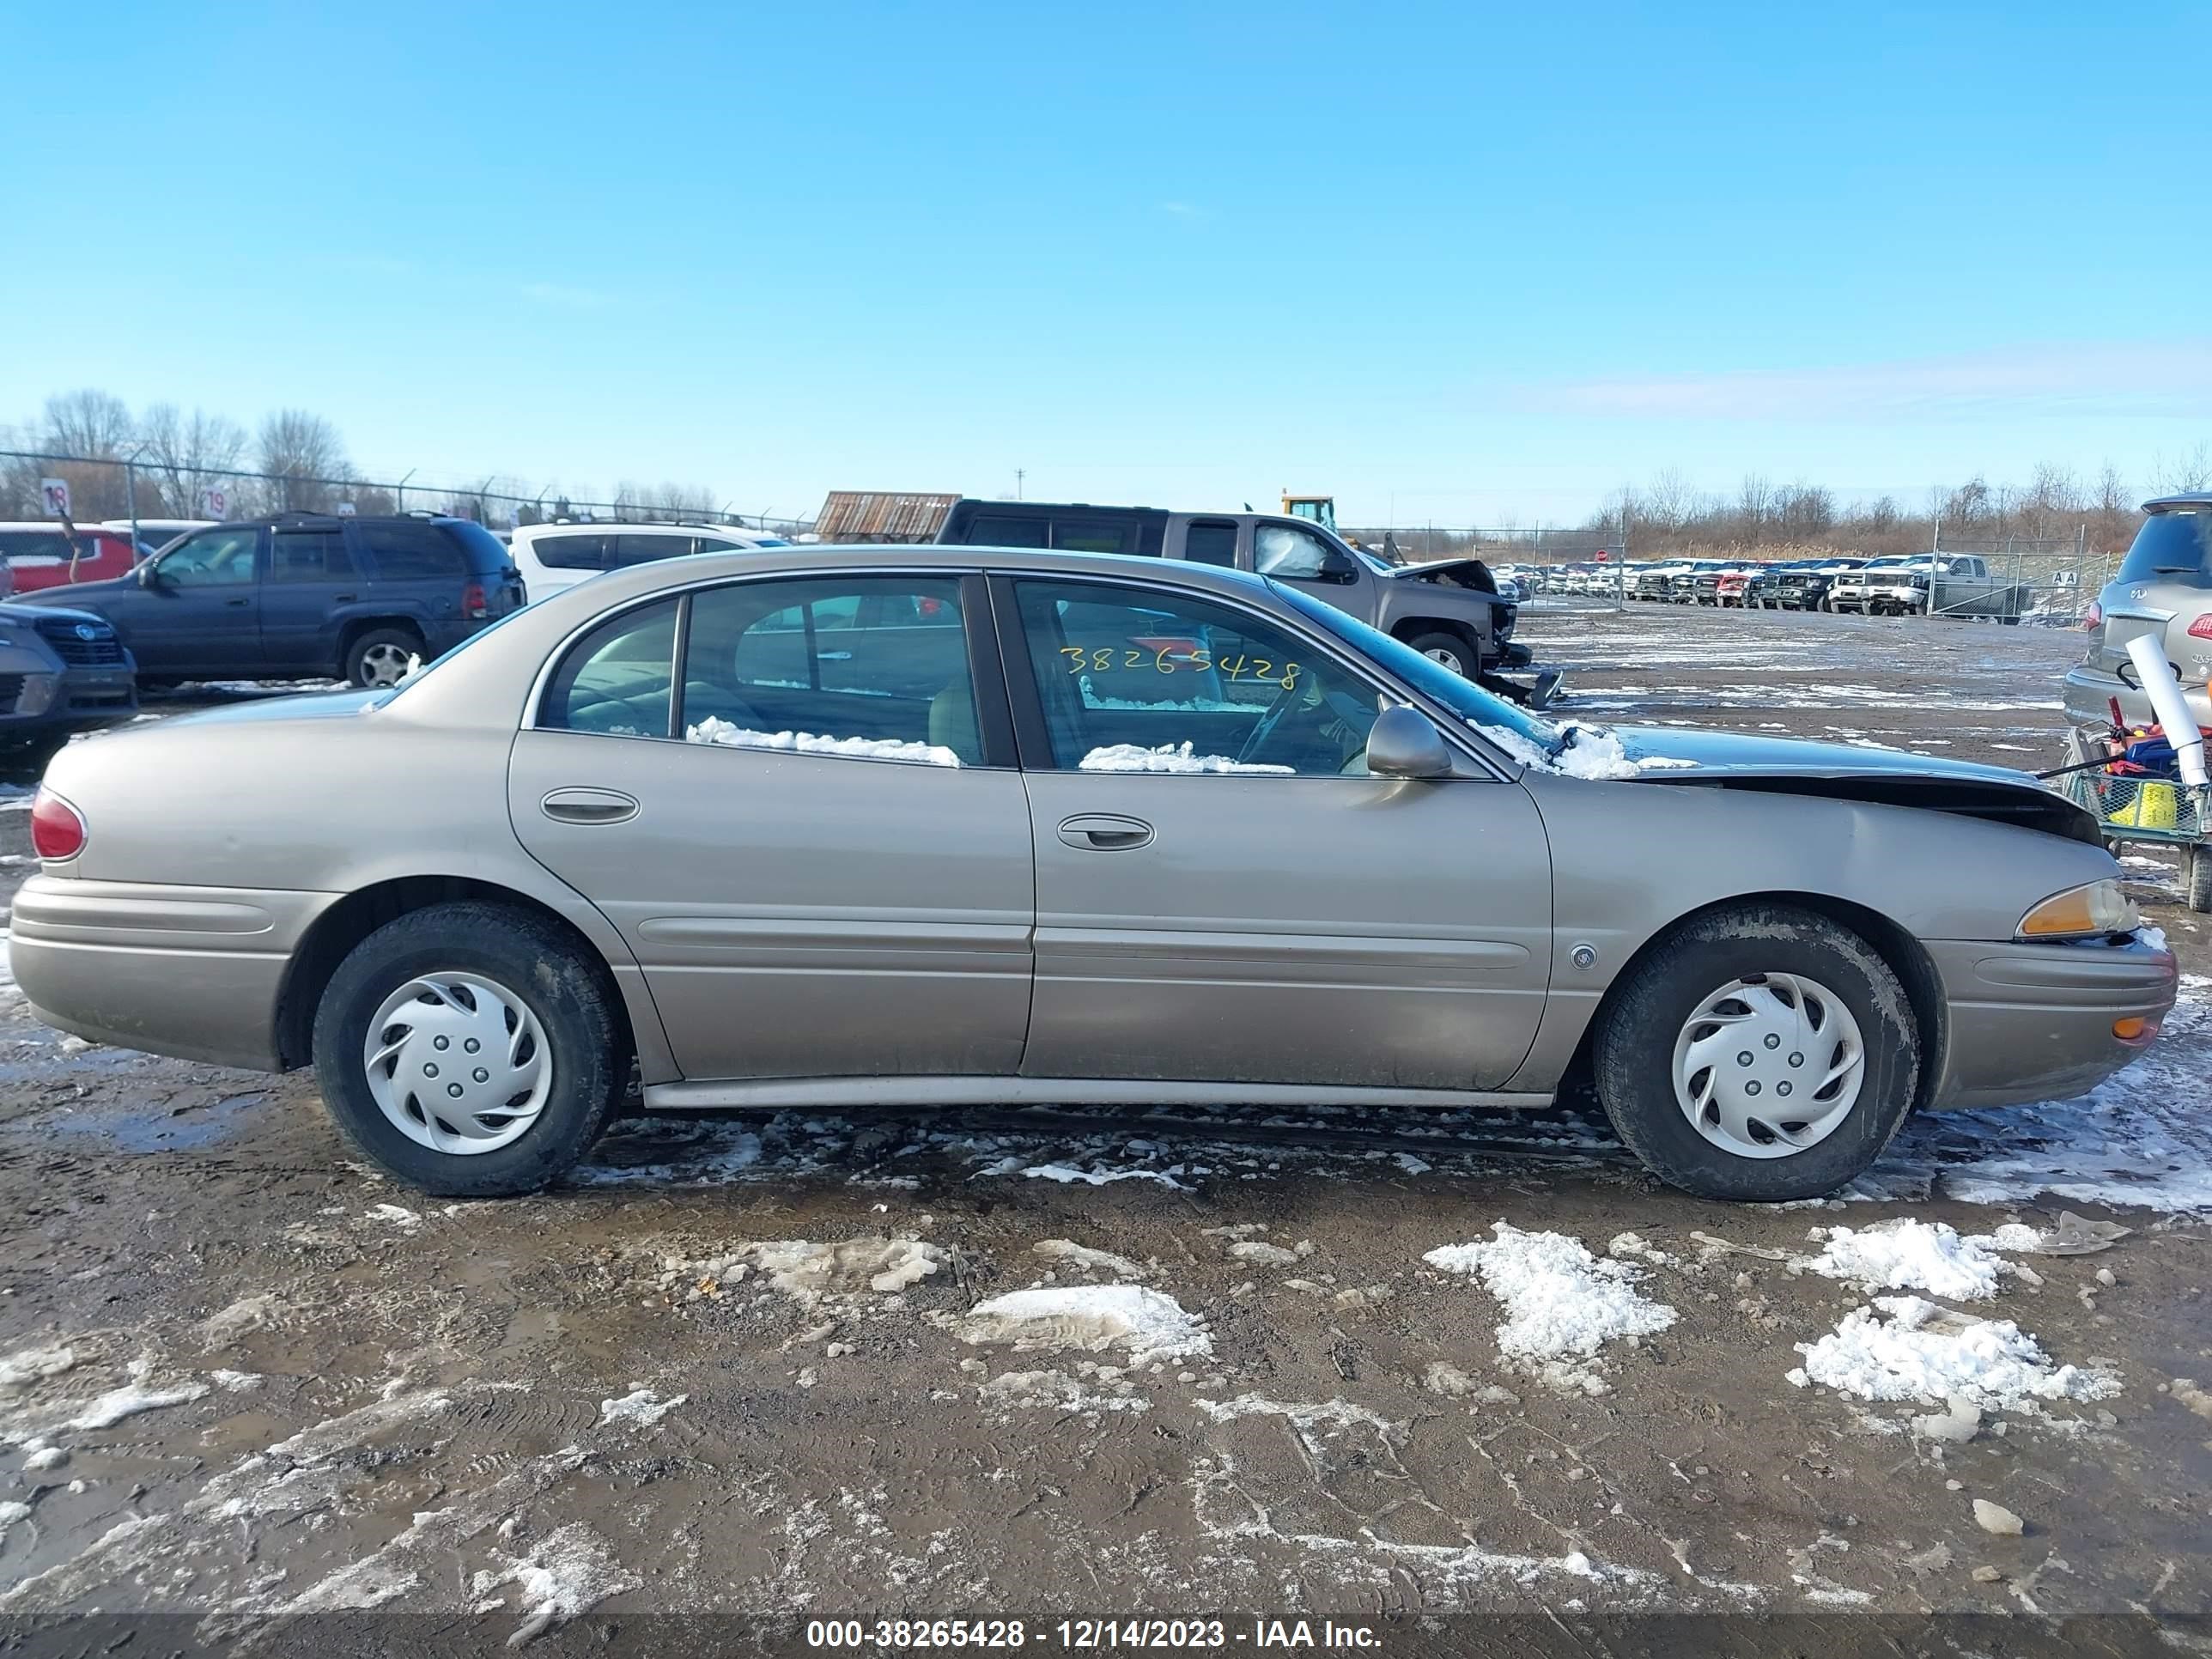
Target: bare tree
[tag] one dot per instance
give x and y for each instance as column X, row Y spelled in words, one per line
column 91, row 424
column 304, row 454
column 2191, row 470
column 189, row 454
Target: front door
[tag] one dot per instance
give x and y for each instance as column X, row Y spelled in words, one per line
column 817, row 850
column 1305, row 558
column 200, row 610
column 1225, row 895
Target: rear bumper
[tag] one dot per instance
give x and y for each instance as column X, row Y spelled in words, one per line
column 191, row 971
column 2090, row 690
column 2027, row 1022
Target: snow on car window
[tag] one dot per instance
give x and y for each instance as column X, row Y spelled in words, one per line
column 733, row 736
column 1169, row 757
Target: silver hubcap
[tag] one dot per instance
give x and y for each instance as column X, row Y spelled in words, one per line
column 383, row 664
column 1769, row 1065
column 457, row 1063
column 1445, row 655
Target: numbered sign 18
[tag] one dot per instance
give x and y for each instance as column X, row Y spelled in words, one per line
column 55, row 493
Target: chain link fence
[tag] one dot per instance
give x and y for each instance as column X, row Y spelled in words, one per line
column 2042, row 582
column 105, row 489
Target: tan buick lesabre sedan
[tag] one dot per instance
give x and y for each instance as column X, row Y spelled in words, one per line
column 922, row 825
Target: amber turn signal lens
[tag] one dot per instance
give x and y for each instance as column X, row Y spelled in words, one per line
column 2136, row 1029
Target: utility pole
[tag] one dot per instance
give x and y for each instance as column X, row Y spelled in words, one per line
column 1021, row 475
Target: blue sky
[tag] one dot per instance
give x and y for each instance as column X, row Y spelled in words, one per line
column 1452, row 263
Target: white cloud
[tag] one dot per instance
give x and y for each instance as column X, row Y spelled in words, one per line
column 2169, row 378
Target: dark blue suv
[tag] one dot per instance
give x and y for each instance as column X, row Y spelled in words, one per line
column 303, row 596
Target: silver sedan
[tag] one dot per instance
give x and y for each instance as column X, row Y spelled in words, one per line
column 913, row 826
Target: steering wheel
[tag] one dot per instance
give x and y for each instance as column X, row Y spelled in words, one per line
column 1263, row 731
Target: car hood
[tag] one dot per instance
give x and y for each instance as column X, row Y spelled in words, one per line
column 1452, row 573
column 75, row 595
column 20, row 610
column 300, row 706
column 1740, row 759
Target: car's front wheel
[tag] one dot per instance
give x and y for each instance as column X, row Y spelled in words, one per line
column 1761, row 1053
column 1447, row 649
column 471, row 1050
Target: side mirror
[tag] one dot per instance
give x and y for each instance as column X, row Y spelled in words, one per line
column 1337, row 566
column 1404, row 743
column 149, row 573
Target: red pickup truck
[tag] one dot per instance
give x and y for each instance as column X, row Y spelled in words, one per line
column 42, row 554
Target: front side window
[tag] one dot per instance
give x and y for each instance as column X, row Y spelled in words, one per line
column 220, row 558
column 865, row 667
column 646, row 548
column 1140, row 681
column 617, row 679
column 309, row 555
column 1282, row 550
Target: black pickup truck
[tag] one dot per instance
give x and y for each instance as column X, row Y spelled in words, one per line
column 1450, row 609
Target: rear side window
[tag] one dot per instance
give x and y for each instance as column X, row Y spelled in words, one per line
column 1008, row 529
column 484, row 551
column 1211, row 541
column 418, row 552
column 582, row 552
column 309, row 555
column 615, row 680
column 41, row 544
column 2172, row 547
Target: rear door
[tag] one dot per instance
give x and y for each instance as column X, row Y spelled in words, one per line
column 1223, row 894
column 313, row 585
column 811, row 829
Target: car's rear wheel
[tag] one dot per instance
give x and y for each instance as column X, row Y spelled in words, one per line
column 381, row 656
column 1447, row 649
column 1761, row 1053
column 471, row 1050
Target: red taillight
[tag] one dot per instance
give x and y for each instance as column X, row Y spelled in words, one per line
column 2094, row 618
column 2201, row 628
column 57, row 827
column 472, row 601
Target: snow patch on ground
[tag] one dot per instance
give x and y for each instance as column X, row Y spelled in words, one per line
column 1094, row 1177
column 26, row 1366
column 134, row 1397
column 1905, row 1347
column 807, row 1271
column 1169, row 758
column 1562, row 1304
column 641, row 1408
column 566, row 1574
column 1078, row 1255
column 1058, row 1391
column 733, row 736
column 1909, row 1254
column 1148, row 1326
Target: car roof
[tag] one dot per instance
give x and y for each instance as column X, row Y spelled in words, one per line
column 48, row 525
column 578, row 528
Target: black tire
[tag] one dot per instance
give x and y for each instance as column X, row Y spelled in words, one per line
column 28, row 758
column 372, row 650
column 1441, row 645
column 566, row 990
column 1634, row 1050
column 2197, row 873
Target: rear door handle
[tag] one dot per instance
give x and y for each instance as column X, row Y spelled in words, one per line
column 1104, row 832
column 239, row 603
column 589, row 806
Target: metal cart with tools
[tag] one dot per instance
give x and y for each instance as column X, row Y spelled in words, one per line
column 2140, row 803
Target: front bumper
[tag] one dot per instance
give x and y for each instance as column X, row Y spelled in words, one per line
column 191, row 971
column 68, row 699
column 2027, row 1022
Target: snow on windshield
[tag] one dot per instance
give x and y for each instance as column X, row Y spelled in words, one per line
column 1587, row 751
column 1169, row 758
column 733, row 736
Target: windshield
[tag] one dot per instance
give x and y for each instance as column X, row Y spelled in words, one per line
column 2172, row 547
column 1431, row 679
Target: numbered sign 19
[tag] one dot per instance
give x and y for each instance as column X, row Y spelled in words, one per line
column 55, row 493
column 214, row 503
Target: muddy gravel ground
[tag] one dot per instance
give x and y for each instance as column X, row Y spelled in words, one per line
column 252, row 1393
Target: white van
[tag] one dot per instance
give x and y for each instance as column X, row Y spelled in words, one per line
column 552, row 557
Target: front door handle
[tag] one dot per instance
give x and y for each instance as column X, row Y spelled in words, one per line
column 238, row 604
column 1105, row 832
column 589, row 806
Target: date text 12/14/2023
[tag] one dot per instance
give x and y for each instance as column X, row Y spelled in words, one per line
column 1188, row 1634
